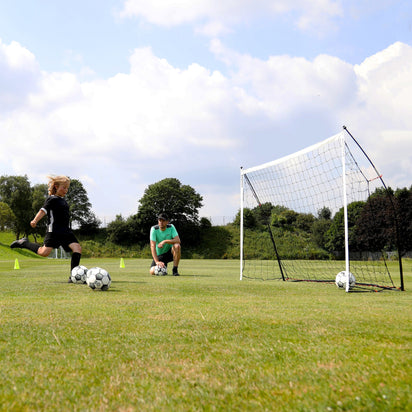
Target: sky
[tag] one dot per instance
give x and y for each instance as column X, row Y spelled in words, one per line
column 121, row 94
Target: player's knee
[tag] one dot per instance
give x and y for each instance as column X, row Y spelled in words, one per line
column 76, row 248
column 44, row 251
column 176, row 247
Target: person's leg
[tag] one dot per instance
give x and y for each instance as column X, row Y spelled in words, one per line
column 76, row 255
column 34, row 247
column 44, row 251
column 176, row 252
column 163, row 258
column 152, row 267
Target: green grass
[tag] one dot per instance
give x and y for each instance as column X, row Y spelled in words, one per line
column 203, row 341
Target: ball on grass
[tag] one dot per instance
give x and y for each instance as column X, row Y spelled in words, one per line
column 78, row 274
column 98, row 278
column 160, row 271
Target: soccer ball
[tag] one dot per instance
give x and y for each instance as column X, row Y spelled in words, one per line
column 341, row 280
column 78, row 274
column 98, row 278
column 160, row 271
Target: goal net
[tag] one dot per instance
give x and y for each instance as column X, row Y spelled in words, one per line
column 318, row 212
column 59, row 253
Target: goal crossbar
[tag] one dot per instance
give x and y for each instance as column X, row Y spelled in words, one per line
column 308, row 149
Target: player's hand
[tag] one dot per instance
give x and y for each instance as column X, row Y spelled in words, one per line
column 33, row 223
column 160, row 244
column 160, row 264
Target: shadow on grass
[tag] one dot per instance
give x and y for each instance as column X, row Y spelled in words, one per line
column 128, row 281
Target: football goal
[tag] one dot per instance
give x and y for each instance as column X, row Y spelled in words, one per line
column 59, row 253
column 317, row 213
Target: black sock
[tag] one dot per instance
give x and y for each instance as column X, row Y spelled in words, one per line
column 34, row 247
column 75, row 259
column 174, row 269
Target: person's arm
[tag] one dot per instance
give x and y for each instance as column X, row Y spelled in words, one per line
column 176, row 239
column 154, row 253
column 40, row 214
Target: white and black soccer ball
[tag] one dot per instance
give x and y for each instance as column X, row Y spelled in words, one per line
column 160, row 271
column 78, row 274
column 98, row 278
column 341, row 280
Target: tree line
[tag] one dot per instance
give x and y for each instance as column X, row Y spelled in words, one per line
column 382, row 222
column 19, row 202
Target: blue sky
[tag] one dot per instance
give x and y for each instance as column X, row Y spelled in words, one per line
column 92, row 31
column 123, row 93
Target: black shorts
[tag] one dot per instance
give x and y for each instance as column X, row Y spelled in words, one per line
column 55, row 240
column 164, row 257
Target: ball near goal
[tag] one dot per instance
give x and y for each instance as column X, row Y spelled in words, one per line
column 341, row 279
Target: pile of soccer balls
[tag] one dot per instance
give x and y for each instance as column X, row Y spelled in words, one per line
column 96, row 278
column 341, row 280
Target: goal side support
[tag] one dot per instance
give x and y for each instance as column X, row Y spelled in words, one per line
column 398, row 243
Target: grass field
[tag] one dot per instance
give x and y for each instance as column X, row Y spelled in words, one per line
column 204, row 341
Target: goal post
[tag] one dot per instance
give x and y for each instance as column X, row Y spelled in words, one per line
column 318, row 212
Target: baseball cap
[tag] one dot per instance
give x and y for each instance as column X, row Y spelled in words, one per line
column 163, row 216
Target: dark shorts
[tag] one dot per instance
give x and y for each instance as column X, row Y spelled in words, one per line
column 55, row 240
column 164, row 257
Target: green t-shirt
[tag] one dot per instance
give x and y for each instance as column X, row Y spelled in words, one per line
column 158, row 236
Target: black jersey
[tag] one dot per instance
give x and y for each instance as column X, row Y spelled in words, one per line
column 58, row 214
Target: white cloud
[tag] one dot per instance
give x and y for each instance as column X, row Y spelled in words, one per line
column 282, row 85
column 385, row 84
column 19, row 71
column 122, row 133
column 214, row 17
column 17, row 57
column 382, row 113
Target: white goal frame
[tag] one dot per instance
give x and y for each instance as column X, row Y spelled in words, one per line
column 338, row 139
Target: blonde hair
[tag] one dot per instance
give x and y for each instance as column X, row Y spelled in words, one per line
column 55, row 181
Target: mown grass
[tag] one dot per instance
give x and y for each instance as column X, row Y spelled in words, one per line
column 203, row 341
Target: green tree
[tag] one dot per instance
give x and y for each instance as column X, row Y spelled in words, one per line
column 81, row 213
column 39, row 195
column 120, row 231
column 16, row 192
column 376, row 226
column 249, row 219
column 324, row 214
column 205, row 223
column 7, row 217
column 320, row 227
column 386, row 221
column 284, row 218
column 180, row 202
column 335, row 236
column 403, row 205
column 304, row 221
column 263, row 213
